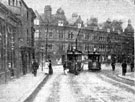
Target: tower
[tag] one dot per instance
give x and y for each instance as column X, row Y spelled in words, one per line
column 47, row 13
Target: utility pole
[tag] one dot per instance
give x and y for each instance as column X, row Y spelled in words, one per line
column 46, row 40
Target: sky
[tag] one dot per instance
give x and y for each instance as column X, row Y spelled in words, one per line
column 102, row 9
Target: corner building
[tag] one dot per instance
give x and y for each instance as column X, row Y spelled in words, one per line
column 56, row 35
column 10, row 28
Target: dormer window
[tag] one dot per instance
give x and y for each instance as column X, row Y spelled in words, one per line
column 79, row 25
column 36, row 22
column 108, row 30
column 60, row 23
column 14, row 2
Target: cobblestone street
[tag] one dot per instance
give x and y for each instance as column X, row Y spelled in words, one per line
column 85, row 87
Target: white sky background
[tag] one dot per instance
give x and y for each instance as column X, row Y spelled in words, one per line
column 102, row 9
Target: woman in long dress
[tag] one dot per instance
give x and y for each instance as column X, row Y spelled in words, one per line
column 50, row 67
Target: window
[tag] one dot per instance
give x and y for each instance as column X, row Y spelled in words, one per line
column 27, row 15
column 60, row 23
column 68, row 35
column 36, row 34
column 79, row 25
column 72, row 35
column 50, row 34
column 13, row 2
column 60, row 34
column 36, row 22
column 86, row 47
column 9, row 2
column 20, row 3
column 86, row 36
column 62, row 47
column 50, row 46
column 17, row 3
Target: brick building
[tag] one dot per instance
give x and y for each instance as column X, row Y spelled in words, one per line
column 56, row 35
column 10, row 27
column 27, row 16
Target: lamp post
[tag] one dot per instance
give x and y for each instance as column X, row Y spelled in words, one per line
column 46, row 45
column 46, row 40
column 42, row 49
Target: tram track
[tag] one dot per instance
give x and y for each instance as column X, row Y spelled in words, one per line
column 118, row 83
column 83, row 92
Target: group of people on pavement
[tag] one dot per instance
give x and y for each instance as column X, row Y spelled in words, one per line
column 35, row 66
column 123, row 65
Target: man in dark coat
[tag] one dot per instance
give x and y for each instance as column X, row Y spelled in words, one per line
column 113, row 64
column 35, row 66
column 50, row 67
column 64, row 67
column 132, row 66
column 124, row 68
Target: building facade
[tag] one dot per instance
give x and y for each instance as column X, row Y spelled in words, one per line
column 10, row 28
column 57, row 35
column 26, row 15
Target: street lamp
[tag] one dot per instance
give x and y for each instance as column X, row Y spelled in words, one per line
column 46, row 45
column 42, row 49
column 47, row 39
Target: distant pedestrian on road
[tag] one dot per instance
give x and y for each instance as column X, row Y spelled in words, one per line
column 65, row 67
column 113, row 64
column 124, row 67
column 50, row 67
column 132, row 66
column 35, row 66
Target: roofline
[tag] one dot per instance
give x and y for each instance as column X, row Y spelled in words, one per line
column 36, row 12
column 8, row 12
column 25, row 4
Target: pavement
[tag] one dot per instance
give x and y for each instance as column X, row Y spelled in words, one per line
column 128, row 76
column 20, row 89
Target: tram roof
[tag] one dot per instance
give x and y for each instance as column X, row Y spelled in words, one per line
column 76, row 52
column 94, row 53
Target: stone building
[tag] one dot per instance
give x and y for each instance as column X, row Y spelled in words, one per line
column 57, row 34
column 128, row 42
column 26, row 15
column 10, row 27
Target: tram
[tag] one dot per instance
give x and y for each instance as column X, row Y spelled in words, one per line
column 94, row 61
column 74, row 61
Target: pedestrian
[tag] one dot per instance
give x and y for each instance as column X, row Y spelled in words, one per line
column 132, row 66
column 35, row 66
column 113, row 65
column 124, row 67
column 50, row 67
column 64, row 67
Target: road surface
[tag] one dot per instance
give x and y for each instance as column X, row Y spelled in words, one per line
column 85, row 87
